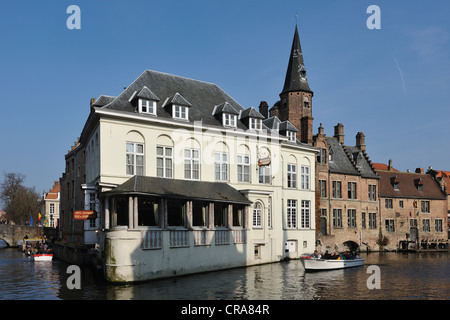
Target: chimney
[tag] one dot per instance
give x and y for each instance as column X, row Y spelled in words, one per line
column 390, row 165
column 92, row 102
column 264, row 109
column 339, row 133
column 361, row 141
column 419, row 170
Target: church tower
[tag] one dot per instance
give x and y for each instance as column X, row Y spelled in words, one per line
column 295, row 102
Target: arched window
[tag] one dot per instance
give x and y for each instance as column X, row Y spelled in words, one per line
column 257, row 215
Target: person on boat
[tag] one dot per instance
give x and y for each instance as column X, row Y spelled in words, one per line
column 326, row 255
column 316, row 255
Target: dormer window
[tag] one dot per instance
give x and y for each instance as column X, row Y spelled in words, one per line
column 180, row 112
column 147, row 106
column 229, row 120
column 255, row 124
column 145, row 101
column 291, row 136
column 178, row 106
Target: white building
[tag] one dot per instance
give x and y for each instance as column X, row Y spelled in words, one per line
column 183, row 179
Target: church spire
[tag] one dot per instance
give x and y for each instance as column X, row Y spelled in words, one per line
column 296, row 72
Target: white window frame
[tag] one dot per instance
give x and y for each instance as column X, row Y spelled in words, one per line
column 257, row 215
column 305, row 214
column 305, row 183
column 229, row 120
column 265, row 175
column 52, row 208
column 292, row 175
column 135, row 154
column 291, row 136
column 255, row 124
column 165, row 170
column 221, row 166
column 291, row 221
column 180, row 112
column 190, row 161
column 243, row 164
column 147, row 106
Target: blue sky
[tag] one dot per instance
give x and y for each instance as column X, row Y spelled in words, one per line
column 392, row 84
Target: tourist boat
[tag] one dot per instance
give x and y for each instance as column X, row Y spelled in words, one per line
column 43, row 257
column 311, row 264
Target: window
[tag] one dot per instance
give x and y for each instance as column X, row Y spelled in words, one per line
column 52, row 208
column 292, row 214
column 255, row 124
column 306, row 104
column 238, row 215
column 390, row 225
column 220, row 214
column 192, row 164
column 363, row 220
column 200, row 213
column 425, row 206
column 337, row 186
column 180, row 112
column 323, row 188
column 388, row 204
column 135, row 158
column 351, row 214
column 372, row 220
column 229, row 120
column 396, row 186
column 176, row 213
column 164, row 162
column 147, row 106
column 400, row 204
column 221, row 166
column 291, row 175
column 438, row 225
column 305, row 214
column 426, row 225
column 305, row 177
column 337, row 218
column 352, row 190
column 269, row 213
column 148, row 211
column 291, row 136
column 243, row 168
column 257, row 215
column 372, row 192
column 322, row 156
column 265, row 175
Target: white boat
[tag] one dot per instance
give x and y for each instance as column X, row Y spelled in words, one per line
column 43, row 257
column 311, row 264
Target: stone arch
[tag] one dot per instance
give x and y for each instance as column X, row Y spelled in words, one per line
column 350, row 245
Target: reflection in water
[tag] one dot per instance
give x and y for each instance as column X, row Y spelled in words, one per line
column 403, row 276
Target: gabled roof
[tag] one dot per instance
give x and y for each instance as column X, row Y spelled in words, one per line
column 202, row 96
column 225, row 108
column 341, row 162
column 407, row 186
column 146, row 93
column 181, row 189
column 272, row 123
column 361, row 162
column 251, row 113
column 287, row 126
column 178, row 99
column 296, row 72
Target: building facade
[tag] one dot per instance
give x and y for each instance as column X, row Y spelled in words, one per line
column 413, row 210
column 50, row 210
column 180, row 178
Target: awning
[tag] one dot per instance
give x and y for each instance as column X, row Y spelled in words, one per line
column 179, row 189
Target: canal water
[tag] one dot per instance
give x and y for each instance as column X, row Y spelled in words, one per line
column 403, row 276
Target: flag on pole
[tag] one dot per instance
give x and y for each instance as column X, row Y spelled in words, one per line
column 39, row 216
column 31, row 220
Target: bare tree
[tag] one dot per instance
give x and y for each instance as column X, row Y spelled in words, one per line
column 20, row 201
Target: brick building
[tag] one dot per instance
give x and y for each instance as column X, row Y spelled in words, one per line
column 347, row 208
column 413, row 210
